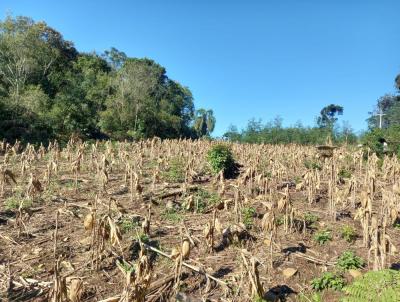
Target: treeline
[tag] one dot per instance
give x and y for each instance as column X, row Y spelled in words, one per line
column 274, row 133
column 50, row 90
column 383, row 128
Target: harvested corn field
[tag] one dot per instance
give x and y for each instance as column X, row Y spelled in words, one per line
column 157, row 221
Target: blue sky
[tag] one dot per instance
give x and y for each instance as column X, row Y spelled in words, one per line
column 247, row 59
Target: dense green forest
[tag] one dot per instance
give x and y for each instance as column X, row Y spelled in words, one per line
column 50, row 90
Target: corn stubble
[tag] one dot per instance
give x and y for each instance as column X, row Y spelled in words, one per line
column 277, row 182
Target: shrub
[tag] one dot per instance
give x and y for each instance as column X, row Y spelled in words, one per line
column 248, row 215
column 220, row 158
column 310, row 219
column 348, row 233
column 12, row 203
column 374, row 286
column 171, row 215
column 349, row 261
column 343, row 173
column 175, row 171
column 127, row 225
column 312, row 165
column 203, row 198
column 328, row 280
column 323, row 236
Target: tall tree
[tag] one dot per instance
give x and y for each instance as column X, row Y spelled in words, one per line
column 328, row 116
column 146, row 103
column 204, row 122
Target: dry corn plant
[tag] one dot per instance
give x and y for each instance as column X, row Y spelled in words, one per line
column 285, row 206
column 137, row 281
column 34, row 187
column 74, row 289
column 381, row 244
column 21, row 219
column 312, row 181
column 59, row 291
column 250, row 266
column 135, row 187
column 76, row 167
column 268, row 225
column 6, row 177
column 364, row 213
column 146, row 222
column 209, row 231
column 332, row 182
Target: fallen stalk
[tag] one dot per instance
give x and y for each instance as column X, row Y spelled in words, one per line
column 315, row 260
column 192, row 267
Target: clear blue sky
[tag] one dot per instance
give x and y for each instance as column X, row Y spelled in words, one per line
column 247, row 59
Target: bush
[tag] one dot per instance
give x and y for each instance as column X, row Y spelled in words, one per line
column 13, row 203
column 175, row 171
column 323, row 236
column 220, row 158
column 348, row 233
column 374, row 286
column 343, row 173
column 203, row 199
column 349, row 261
column 312, row 165
column 328, row 280
column 310, row 219
column 248, row 215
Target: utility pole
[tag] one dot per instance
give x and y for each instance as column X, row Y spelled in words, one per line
column 380, row 114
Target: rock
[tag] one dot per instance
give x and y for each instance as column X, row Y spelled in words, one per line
column 355, row 273
column 289, row 272
column 271, row 297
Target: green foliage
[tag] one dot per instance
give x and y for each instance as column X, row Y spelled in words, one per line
column 328, row 115
column 53, row 91
column 203, row 198
column 258, row 299
column 310, row 219
column 273, row 132
column 144, row 238
column 171, row 215
column 248, row 214
column 125, row 266
column 13, row 203
column 323, row 236
column 348, row 233
column 312, row 165
column 374, row 286
column 280, row 220
column 343, row 173
column 328, row 280
column 175, row 171
column 127, row 225
column 349, row 261
column 314, row 297
column 204, row 122
column 220, row 158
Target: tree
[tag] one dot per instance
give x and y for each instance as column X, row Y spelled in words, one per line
column 204, row 122
column 232, row 134
column 146, row 103
column 389, row 106
column 50, row 90
column 31, row 53
column 115, row 58
column 328, row 116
